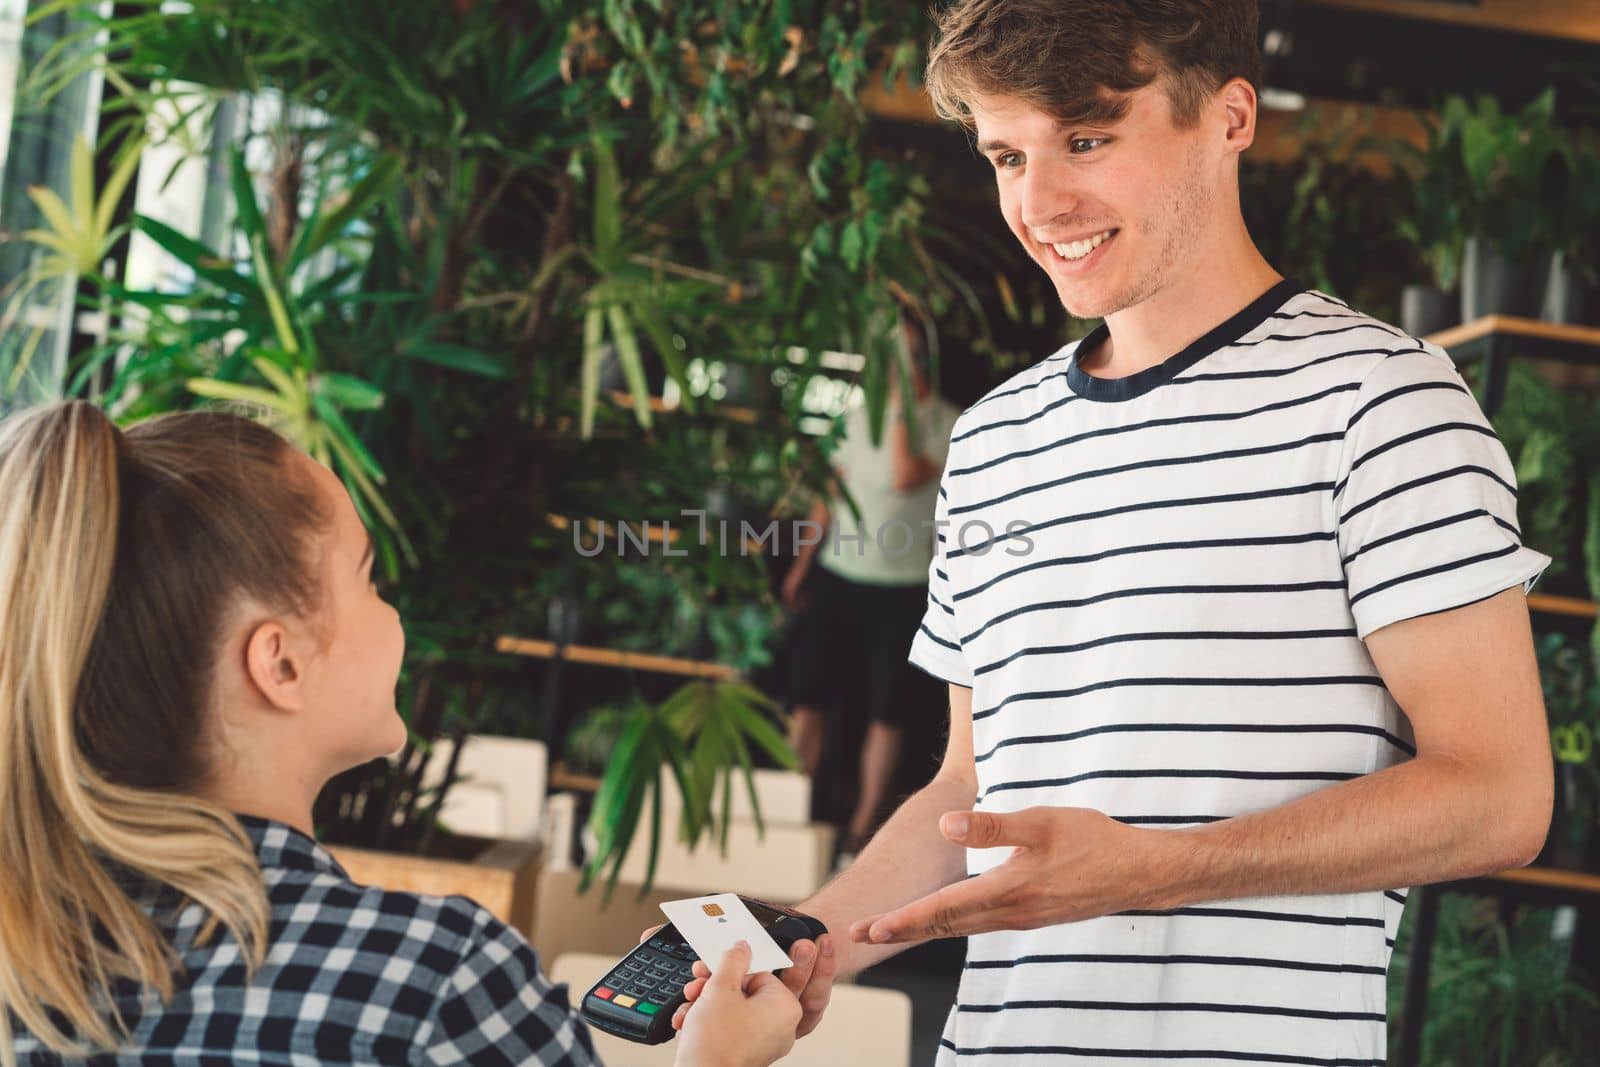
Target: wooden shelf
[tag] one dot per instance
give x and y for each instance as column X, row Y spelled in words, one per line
column 610, row 657
column 1456, row 337
column 623, row 399
column 1562, row 605
column 561, row 778
column 1575, row 20
column 1494, row 339
column 1552, row 877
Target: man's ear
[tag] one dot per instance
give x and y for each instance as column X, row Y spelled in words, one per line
column 275, row 667
column 1240, row 105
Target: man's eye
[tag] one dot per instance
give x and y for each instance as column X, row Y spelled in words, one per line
column 1076, row 141
column 1008, row 160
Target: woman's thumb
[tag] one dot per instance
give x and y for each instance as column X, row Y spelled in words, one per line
column 732, row 967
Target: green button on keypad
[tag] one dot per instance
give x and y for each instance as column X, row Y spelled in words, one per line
column 648, row 1009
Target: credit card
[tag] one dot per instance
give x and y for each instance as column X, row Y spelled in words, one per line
column 713, row 923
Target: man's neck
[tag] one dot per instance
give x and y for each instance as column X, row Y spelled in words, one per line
column 1158, row 327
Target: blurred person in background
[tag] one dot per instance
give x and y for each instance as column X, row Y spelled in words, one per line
column 860, row 591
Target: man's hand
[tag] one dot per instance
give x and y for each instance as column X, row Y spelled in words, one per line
column 810, row 979
column 1068, row 864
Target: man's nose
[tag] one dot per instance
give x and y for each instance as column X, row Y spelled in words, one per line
column 1044, row 198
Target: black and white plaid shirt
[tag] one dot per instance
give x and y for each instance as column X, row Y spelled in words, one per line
column 353, row 975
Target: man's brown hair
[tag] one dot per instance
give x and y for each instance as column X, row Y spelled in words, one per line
column 1076, row 60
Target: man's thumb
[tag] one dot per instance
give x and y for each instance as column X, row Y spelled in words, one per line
column 979, row 829
column 733, row 966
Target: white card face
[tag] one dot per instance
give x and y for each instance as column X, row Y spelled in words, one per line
column 712, row 924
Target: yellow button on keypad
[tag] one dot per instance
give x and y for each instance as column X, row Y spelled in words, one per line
column 626, row 1002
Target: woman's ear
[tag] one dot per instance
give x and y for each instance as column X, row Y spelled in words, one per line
column 274, row 666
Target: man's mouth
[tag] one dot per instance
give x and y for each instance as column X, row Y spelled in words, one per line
column 1076, row 250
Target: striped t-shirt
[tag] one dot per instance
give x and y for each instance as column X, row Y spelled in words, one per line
column 1157, row 588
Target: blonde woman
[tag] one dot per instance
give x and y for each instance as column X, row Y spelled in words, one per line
column 192, row 646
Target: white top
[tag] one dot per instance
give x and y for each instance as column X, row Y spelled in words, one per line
column 894, row 540
column 1173, row 634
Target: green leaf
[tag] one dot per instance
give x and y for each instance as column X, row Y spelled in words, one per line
column 627, row 347
column 317, row 231
column 246, row 211
column 205, row 263
column 458, row 357
column 607, row 203
column 275, row 305
column 593, row 334
column 349, row 392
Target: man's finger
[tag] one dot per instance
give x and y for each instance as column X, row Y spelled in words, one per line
column 646, row 935
column 989, row 829
column 804, row 955
column 859, row 928
column 814, row 999
column 954, row 911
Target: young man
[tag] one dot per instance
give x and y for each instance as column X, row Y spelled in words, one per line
column 1230, row 600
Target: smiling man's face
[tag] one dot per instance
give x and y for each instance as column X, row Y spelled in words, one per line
column 1112, row 213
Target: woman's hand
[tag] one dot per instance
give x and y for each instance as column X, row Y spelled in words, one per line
column 794, row 584
column 737, row 1022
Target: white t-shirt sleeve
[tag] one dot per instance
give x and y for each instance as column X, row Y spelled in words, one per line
column 1426, row 499
column 936, row 648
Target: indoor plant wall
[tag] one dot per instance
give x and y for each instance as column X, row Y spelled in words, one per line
column 502, row 195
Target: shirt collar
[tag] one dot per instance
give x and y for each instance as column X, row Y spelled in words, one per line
column 278, row 844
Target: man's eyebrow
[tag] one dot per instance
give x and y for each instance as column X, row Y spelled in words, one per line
column 367, row 555
column 985, row 147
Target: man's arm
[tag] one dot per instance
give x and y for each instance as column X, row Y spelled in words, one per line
column 907, row 858
column 1475, row 799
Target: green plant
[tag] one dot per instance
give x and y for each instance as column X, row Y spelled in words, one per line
column 1512, row 170
column 1576, row 221
column 1572, row 703
column 1328, row 219
column 1499, row 995
column 591, row 741
column 1433, row 187
column 457, row 213
column 77, row 235
column 699, row 736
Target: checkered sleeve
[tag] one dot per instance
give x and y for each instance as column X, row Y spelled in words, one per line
column 498, row 1008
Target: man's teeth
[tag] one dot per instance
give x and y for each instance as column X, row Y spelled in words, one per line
column 1079, row 249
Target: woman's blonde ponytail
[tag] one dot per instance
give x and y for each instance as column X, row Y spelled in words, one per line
column 101, row 702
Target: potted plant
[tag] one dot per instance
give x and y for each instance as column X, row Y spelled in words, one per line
column 1513, row 172
column 1573, row 292
column 696, row 738
column 1432, row 192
